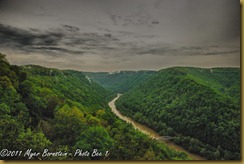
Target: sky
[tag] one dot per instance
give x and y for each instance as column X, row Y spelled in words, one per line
column 113, row 35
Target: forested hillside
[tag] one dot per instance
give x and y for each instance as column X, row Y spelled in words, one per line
column 121, row 81
column 200, row 108
column 64, row 111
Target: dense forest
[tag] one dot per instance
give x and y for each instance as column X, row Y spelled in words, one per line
column 121, row 81
column 199, row 108
column 65, row 111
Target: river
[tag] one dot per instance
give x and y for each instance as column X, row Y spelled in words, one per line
column 150, row 131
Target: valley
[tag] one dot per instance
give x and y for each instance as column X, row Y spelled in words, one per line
column 68, row 110
column 63, row 111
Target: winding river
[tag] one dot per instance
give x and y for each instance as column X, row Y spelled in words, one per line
column 150, row 131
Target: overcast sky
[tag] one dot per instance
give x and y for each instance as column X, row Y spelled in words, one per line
column 112, row 35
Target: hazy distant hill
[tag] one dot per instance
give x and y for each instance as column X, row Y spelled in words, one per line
column 200, row 107
column 121, row 81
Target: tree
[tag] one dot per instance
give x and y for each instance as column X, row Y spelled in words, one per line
column 34, row 140
column 10, row 130
column 68, row 124
column 95, row 138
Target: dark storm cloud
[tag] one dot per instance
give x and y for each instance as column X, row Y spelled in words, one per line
column 13, row 36
column 33, row 40
column 52, row 40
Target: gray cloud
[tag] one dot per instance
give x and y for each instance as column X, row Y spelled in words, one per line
column 16, row 37
column 171, row 50
column 71, row 28
column 54, row 40
column 56, row 51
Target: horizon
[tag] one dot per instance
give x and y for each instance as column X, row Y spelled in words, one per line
column 118, row 71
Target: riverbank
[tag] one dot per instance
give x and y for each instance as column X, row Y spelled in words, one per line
column 150, row 132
